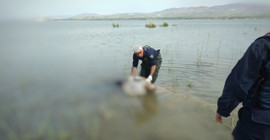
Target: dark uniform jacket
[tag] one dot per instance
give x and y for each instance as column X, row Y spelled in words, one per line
column 149, row 56
column 248, row 81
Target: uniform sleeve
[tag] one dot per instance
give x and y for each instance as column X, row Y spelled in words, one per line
column 135, row 61
column 242, row 78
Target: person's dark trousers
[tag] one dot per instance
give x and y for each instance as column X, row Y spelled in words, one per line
column 146, row 68
column 246, row 129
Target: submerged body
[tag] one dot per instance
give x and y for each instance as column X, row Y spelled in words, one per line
column 137, row 86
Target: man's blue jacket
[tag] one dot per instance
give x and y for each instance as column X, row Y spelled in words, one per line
column 244, row 78
column 149, row 56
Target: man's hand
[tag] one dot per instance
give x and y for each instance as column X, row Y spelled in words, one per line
column 219, row 118
column 149, row 78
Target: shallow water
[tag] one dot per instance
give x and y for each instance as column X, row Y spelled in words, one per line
column 58, row 78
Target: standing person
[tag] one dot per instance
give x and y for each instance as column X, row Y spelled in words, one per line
column 151, row 62
column 249, row 83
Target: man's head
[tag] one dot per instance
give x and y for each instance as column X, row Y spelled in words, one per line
column 138, row 50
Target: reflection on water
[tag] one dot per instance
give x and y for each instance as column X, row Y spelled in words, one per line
column 149, row 108
column 57, row 79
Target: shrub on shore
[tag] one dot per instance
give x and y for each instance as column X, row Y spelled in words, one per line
column 150, row 25
column 165, row 24
column 115, row 25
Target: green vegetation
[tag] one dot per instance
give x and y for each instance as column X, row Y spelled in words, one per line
column 189, row 85
column 199, row 56
column 115, row 25
column 165, row 24
column 150, row 25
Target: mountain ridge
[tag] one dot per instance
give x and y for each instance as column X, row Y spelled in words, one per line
column 228, row 11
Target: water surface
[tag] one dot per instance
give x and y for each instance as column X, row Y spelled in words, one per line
column 58, row 78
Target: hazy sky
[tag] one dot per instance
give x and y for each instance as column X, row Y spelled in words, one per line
column 44, row 8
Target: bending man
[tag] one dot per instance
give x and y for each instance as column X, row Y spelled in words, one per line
column 151, row 62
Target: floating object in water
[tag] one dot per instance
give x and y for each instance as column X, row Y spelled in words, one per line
column 137, row 86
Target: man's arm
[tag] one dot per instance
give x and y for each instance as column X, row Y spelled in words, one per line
column 153, row 69
column 133, row 70
column 241, row 79
column 134, row 65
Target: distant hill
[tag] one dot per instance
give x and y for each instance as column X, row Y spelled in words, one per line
column 230, row 11
column 86, row 15
column 223, row 11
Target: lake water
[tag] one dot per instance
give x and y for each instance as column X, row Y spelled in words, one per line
column 58, row 78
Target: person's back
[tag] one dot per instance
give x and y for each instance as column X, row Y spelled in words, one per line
column 249, row 82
